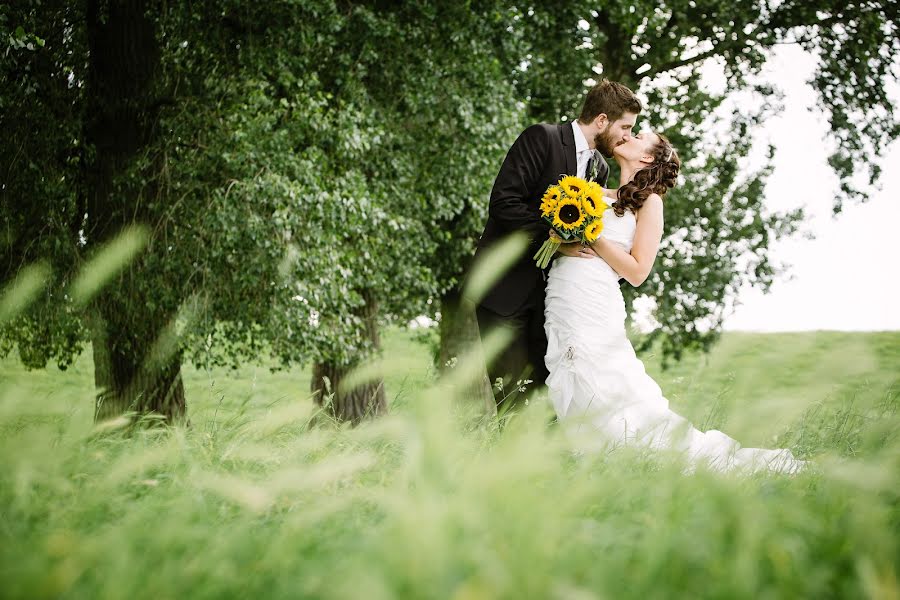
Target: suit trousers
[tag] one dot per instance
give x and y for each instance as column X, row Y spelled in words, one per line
column 523, row 358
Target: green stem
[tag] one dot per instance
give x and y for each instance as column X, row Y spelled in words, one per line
column 545, row 253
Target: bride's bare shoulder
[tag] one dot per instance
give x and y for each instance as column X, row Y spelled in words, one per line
column 653, row 200
column 653, row 204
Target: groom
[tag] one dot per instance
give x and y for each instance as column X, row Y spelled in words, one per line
column 537, row 159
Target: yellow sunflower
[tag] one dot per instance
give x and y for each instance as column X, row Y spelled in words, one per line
column 592, row 231
column 568, row 214
column 550, row 200
column 572, row 185
column 592, row 200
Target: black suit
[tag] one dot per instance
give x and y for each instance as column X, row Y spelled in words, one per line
column 538, row 158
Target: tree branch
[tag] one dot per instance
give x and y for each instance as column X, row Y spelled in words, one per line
column 674, row 64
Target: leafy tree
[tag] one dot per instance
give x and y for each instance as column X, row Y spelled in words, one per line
column 295, row 164
column 425, row 109
column 211, row 124
column 40, row 165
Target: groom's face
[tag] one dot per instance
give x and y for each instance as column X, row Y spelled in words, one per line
column 615, row 133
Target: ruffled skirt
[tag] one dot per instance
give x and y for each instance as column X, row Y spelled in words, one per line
column 598, row 384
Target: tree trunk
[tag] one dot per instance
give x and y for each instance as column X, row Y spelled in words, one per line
column 459, row 336
column 103, row 379
column 364, row 401
column 121, row 125
column 129, row 372
column 157, row 391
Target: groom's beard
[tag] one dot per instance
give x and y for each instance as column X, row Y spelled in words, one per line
column 605, row 142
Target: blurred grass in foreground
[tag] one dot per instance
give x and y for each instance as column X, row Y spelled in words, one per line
column 431, row 503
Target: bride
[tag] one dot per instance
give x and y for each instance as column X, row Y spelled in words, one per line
column 597, row 384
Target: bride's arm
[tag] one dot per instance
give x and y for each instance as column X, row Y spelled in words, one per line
column 635, row 267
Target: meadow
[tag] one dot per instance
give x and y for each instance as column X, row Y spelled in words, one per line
column 260, row 499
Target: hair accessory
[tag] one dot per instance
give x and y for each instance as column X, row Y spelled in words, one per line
column 671, row 154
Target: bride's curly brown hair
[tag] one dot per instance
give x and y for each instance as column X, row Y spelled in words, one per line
column 656, row 178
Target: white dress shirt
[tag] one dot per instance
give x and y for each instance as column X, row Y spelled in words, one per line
column 583, row 152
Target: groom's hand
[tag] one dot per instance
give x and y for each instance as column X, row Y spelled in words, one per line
column 575, row 249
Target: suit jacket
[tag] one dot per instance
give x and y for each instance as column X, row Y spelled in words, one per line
column 537, row 159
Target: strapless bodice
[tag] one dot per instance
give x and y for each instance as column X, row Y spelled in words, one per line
column 619, row 229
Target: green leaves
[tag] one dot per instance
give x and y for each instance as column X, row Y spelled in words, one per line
column 19, row 40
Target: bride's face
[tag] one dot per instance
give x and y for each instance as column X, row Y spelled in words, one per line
column 637, row 151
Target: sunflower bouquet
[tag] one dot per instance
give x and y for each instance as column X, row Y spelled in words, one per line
column 574, row 209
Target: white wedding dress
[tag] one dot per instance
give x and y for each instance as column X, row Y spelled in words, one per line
column 599, row 386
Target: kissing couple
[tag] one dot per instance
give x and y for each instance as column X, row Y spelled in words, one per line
column 567, row 322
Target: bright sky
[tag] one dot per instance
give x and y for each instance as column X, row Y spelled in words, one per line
column 848, row 278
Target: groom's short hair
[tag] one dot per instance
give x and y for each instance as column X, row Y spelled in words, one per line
column 610, row 98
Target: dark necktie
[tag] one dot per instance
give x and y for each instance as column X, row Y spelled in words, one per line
column 593, row 166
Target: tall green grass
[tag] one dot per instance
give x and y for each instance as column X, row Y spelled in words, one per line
column 257, row 499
